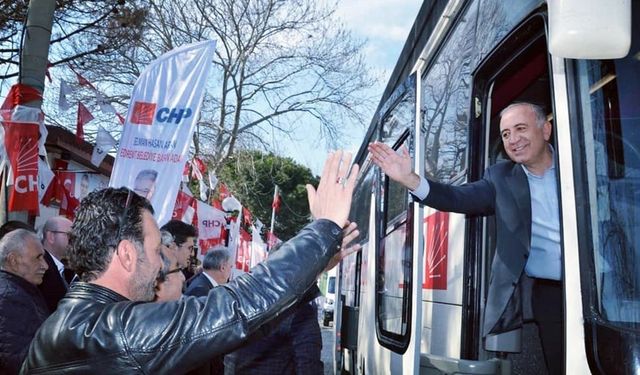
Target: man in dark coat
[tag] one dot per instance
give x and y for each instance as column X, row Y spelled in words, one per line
column 216, row 269
column 55, row 240
column 22, row 308
column 522, row 194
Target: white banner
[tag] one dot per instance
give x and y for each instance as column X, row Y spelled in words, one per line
column 159, row 125
column 211, row 227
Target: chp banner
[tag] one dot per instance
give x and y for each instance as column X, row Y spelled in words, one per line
column 211, row 228
column 21, row 145
column 159, row 125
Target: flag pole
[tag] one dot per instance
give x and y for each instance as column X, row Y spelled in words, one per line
column 276, row 191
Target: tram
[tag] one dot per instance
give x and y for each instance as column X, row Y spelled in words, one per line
column 412, row 301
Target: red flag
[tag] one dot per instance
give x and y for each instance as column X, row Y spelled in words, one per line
column 21, row 144
column 120, row 118
column 183, row 202
column 84, row 117
column 83, row 81
column 243, row 255
column 246, row 215
column 223, row 192
column 276, row 200
column 20, row 94
column 199, row 168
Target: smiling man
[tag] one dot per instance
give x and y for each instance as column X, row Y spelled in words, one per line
column 22, row 308
column 522, row 194
column 103, row 324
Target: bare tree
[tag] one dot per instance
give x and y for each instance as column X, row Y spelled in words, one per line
column 80, row 29
column 279, row 64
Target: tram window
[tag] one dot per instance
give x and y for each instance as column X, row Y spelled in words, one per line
column 396, row 202
column 394, row 253
column 609, row 91
column 361, row 207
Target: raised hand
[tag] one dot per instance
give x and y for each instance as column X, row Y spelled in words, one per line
column 332, row 199
column 397, row 167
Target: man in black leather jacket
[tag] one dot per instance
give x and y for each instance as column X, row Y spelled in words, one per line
column 105, row 325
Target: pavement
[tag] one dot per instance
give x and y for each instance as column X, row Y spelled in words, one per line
column 328, row 341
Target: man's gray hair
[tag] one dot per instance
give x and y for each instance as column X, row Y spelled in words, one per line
column 216, row 258
column 166, row 238
column 541, row 116
column 14, row 242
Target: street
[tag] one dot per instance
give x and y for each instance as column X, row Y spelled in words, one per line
column 327, row 347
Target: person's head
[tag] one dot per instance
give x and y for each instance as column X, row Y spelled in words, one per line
column 217, row 263
column 525, row 132
column 115, row 242
column 145, row 183
column 55, row 235
column 84, row 185
column 12, row 225
column 21, row 254
column 184, row 236
column 171, row 278
column 167, row 240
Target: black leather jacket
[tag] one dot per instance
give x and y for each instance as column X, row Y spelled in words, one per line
column 97, row 331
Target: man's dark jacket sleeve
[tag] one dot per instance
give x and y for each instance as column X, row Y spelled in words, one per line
column 174, row 337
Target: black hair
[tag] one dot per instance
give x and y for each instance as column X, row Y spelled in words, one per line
column 104, row 218
column 180, row 231
column 12, row 225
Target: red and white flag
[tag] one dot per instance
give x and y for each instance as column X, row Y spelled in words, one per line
column 84, row 117
column 184, row 207
column 21, row 145
column 211, row 227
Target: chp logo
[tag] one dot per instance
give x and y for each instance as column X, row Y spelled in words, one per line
column 144, row 114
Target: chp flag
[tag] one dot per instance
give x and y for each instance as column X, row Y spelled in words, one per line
column 159, row 125
column 211, row 227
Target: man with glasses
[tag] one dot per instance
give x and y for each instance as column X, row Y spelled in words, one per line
column 55, row 240
column 170, row 279
column 104, row 325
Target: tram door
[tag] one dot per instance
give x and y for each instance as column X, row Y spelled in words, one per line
column 518, row 71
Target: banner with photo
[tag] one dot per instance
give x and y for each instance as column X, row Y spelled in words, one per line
column 158, row 129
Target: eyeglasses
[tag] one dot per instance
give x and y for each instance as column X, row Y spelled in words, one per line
column 59, row 231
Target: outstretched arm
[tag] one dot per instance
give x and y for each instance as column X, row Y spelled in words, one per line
column 396, row 166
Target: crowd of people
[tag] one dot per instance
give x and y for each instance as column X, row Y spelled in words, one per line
column 111, row 292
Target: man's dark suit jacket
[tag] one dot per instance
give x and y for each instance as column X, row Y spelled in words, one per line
column 199, row 286
column 503, row 192
column 53, row 286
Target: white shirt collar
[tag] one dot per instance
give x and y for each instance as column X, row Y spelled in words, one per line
column 58, row 263
column 213, row 282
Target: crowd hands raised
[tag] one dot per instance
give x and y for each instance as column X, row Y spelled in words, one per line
column 103, row 323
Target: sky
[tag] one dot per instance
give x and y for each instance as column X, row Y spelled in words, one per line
column 385, row 24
